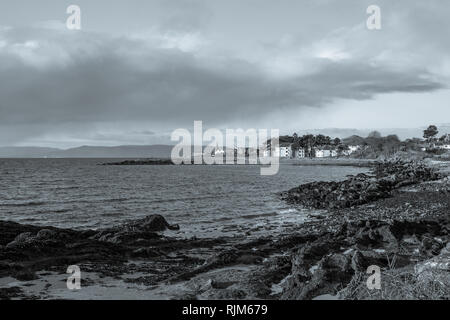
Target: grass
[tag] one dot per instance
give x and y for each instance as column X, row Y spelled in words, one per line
column 401, row 284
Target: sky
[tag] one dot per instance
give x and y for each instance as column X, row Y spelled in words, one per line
column 138, row 69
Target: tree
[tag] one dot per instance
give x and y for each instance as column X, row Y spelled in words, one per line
column 321, row 140
column 392, row 138
column 308, row 142
column 430, row 133
column 295, row 145
column 342, row 148
column 336, row 141
column 374, row 134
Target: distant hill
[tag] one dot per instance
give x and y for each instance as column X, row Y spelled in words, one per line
column 354, row 140
column 26, row 152
column 153, row 151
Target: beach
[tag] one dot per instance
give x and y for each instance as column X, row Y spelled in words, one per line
column 405, row 234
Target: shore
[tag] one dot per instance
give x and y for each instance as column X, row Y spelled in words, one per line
column 350, row 162
column 406, row 234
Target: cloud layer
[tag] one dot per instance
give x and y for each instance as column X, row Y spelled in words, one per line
column 168, row 78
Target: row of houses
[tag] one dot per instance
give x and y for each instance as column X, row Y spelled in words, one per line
column 285, row 150
column 436, row 146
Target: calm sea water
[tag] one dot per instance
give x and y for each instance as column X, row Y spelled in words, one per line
column 77, row 193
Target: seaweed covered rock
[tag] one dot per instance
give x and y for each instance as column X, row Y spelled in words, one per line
column 146, row 162
column 49, row 247
column 361, row 189
column 145, row 229
column 328, row 264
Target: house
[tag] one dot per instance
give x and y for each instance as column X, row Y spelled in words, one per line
column 444, row 147
column 319, row 153
column 219, row 152
column 325, row 152
column 300, row 153
column 446, row 137
column 285, row 151
column 282, row 151
column 333, row 153
column 353, row 148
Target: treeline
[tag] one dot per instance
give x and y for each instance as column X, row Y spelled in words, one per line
column 310, row 142
column 375, row 145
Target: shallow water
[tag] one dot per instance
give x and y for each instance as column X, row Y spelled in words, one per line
column 225, row 200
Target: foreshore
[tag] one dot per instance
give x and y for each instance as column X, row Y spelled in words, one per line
column 405, row 233
column 350, row 162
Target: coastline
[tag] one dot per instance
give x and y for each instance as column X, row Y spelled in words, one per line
column 350, row 162
column 138, row 261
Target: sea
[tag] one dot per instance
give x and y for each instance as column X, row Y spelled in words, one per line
column 206, row 201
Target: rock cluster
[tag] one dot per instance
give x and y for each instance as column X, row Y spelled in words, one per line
column 23, row 247
column 360, row 189
column 145, row 228
column 149, row 162
column 327, row 265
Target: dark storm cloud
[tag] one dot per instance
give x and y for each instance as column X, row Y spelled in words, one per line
column 99, row 78
column 169, row 63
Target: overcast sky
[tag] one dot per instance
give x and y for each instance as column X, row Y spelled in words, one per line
column 140, row 68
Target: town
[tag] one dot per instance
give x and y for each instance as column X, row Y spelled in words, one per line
column 371, row 147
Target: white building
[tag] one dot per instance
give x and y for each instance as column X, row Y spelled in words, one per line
column 444, row 147
column 325, row 153
column 301, row 153
column 285, row 152
column 319, row 153
column 219, row 152
column 352, row 149
column 282, row 151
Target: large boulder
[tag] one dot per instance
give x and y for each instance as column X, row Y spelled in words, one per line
column 149, row 224
column 331, row 274
column 135, row 231
column 44, row 239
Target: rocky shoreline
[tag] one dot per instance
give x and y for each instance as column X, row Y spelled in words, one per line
column 405, row 233
column 146, row 162
column 361, row 189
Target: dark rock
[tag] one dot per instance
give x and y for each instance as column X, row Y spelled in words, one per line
column 430, row 247
column 148, row 162
column 142, row 229
column 149, row 224
column 361, row 260
column 361, row 189
column 25, row 275
column 11, row 293
column 249, row 259
column 333, row 273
